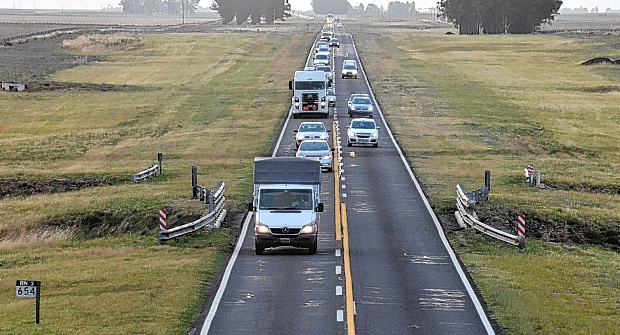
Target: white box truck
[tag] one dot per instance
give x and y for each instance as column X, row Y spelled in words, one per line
column 309, row 93
column 286, row 203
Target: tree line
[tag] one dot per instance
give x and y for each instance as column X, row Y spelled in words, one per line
column 150, row 7
column 474, row 17
column 254, row 11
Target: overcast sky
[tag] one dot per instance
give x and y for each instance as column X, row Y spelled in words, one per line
column 296, row 4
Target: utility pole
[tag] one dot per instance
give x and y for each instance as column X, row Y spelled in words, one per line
column 183, row 10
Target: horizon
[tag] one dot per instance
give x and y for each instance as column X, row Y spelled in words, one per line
column 302, row 5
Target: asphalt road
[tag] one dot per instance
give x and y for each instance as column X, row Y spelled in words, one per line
column 404, row 278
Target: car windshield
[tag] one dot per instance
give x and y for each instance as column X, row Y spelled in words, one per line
column 313, row 146
column 349, row 66
column 309, row 85
column 330, row 92
column 321, row 56
column 361, row 101
column 277, row 199
column 312, row 128
column 363, row 124
column 324, row 68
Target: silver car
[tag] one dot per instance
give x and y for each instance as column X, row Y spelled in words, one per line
column 317, row 149
column 331, row 98
column 360, row 106
column 311, row 130
column 327, row 69
column 363, row 131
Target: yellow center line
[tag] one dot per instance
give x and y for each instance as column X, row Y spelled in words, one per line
column 347, row 272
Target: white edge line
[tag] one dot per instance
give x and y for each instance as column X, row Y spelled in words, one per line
column 220, row 292
column 457, row 265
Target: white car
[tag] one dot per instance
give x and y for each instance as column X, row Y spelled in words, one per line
column 310, row 130
column 317, row 149
column 363, row 131
column 321, row 58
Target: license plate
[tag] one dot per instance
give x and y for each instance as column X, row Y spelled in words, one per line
column 363, row 140
column 285, row 240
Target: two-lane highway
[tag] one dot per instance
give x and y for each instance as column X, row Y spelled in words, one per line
column 404, row 277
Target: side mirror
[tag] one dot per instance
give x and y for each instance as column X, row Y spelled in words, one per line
column 320, row 207
column 250, row 207
column 290, row 85
column 295, row 131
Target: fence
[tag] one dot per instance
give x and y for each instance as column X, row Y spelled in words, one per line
column 216, row 200
column 466, row 216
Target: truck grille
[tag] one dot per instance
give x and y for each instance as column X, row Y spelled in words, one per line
column 291, row 231
column 310, row 101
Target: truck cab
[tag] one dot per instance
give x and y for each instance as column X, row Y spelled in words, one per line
column 309, row 94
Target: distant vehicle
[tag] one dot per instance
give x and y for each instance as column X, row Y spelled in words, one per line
column 326, row 36
column 331, row 98
column 319, row 43
column 339, row 25
column 363, row 131
column 328, row 71
column 360, row 106
column 323, row 48
column 334, row 42
column 317, row 149
column 310, row 130
column 321, row 58
column 349, row 69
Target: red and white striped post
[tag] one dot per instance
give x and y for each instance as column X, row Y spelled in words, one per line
column 162, row 220
column 521, row 231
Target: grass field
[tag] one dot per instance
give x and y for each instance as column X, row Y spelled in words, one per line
column 195, row 99
column 460, row 105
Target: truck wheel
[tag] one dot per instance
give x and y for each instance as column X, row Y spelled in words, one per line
column 258, row 248
column 294, row 116
column 312, row 249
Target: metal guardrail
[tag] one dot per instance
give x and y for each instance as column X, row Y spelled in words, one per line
column 213, row 219
column 146, row 174
column 466, row 216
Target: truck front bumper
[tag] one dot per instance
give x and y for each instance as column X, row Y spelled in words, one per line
column 298, row 241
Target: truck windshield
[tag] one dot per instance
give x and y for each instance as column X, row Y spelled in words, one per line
column 309, row 85
column 281, row 199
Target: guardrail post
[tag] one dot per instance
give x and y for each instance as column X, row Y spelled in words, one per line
column 194, row 181
column 206, row 195
column 487, row 179
column 160, row 158
column 537, row 178
column 211, row 201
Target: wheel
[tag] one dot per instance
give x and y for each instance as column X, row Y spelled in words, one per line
column 258, row 248
column 376, row 145
column 313, row 247
column 342, row 77
column 349, row 144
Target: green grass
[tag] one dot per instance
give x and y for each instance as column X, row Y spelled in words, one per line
column 212, row 100
column 460, row 105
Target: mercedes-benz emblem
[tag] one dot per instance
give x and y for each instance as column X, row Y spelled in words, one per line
column 285, row 230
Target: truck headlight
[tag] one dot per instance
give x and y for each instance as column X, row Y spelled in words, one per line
column 261, row 229
column 322, row 103
column 308, row 229
column 297, row 105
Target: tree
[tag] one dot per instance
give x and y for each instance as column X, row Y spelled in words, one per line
column 339, row 7
column 242, row 10
column 499, row 16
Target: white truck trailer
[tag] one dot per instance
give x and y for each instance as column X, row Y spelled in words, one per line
column 286, row 203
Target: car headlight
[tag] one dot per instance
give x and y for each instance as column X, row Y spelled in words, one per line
column 327, row 157
column 370, row 108
column 374, row 134
column 323, row 136
column 261, row 229
column 308, row 229
column 352, row 107
column 354, row 72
